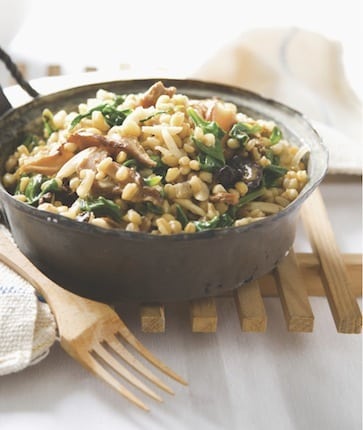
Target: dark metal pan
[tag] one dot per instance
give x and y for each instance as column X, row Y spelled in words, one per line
column 111, row 266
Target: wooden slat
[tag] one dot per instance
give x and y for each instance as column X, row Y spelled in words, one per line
column 293, row 295
column 54, row 70
column 250, row 308
column 152, row 318
column 310, row 268
column 90, row 69
column 344, row 308
column 203, row 315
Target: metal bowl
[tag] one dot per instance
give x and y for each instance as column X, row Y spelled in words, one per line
column 112, row 265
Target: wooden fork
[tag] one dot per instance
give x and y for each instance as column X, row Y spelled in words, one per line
column 91, row 332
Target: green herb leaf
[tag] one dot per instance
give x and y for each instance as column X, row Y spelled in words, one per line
column 249, row 197
column 153, row 115
column 48, row 122
column 242, row 131
column 30, row 141
column 160, row 169
column 275, row 159
column 119, row 99
column 39, row 185
column 206, row 126
column 271, row 174
column 153, row 180
column 276, row 135
column 32, row 190
column 208, row 163
column 181, row 216
column 207, row 225
column 225, row 220
column 249, row 128
column 101, row 207
column 212, row 127
column 219, row 221
column 215, row 151
column 131, row 162
column 112, row 115
column 147, row 207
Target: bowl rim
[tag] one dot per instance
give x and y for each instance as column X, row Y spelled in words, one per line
column 63, row 221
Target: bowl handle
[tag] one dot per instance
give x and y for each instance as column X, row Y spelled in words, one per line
column 5, row 105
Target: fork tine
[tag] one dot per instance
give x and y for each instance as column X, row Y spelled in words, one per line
column 123, row 352
column 95, row 367
column 125, row 333
column 124, row 372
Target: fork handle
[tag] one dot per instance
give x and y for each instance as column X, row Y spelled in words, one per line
column 57, row 298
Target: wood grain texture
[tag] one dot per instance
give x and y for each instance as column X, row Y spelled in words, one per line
column 250, row 308
column 152, row 318
column 334, row 274
column 293, row 295
column 311, row 272
column 203, row 315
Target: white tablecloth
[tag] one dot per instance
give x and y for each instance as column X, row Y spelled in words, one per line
column 277, row 380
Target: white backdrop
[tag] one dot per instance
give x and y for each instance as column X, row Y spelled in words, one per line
column 170, row 36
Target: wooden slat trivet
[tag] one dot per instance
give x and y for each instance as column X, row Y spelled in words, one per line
column 249, row 301
column 250, row 308
column 335, row 277
column 293, row 295
column 152, row 318
column 203, row 315
column 54, row 70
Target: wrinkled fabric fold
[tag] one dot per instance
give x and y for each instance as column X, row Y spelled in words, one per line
column 304, row 70
column 27, row 326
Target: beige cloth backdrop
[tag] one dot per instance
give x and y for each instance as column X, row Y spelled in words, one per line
column 304, row 70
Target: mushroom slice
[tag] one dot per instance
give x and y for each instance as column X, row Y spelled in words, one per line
column 48, row 164
column 154, row 92
column 113, row 145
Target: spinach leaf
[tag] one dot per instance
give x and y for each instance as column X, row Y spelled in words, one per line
column 39, row 185
column 208, row 163
column 160, row 169
column 276, row 135
column 153, row 180
column 206, row 126
column 147, row 207
column 153, row 115
column 112, row 115
column 30, row 141
column 271, row 174
column 48, row 122
column 247, row 128
column 219, row 221
column 225, row 220
column 242, row 131
column 101, row 207
column 249, row 197
column 215, row 151
column 119, row 99
column 274, row 158
column 212, row 127
column 207, row 225
column 131, row 162
column 181, row 216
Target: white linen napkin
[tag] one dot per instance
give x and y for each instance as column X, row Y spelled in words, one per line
column 293, row 66
column 27, row 326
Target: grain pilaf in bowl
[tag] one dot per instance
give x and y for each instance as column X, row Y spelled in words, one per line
column 157, row 162
column 156, row 190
